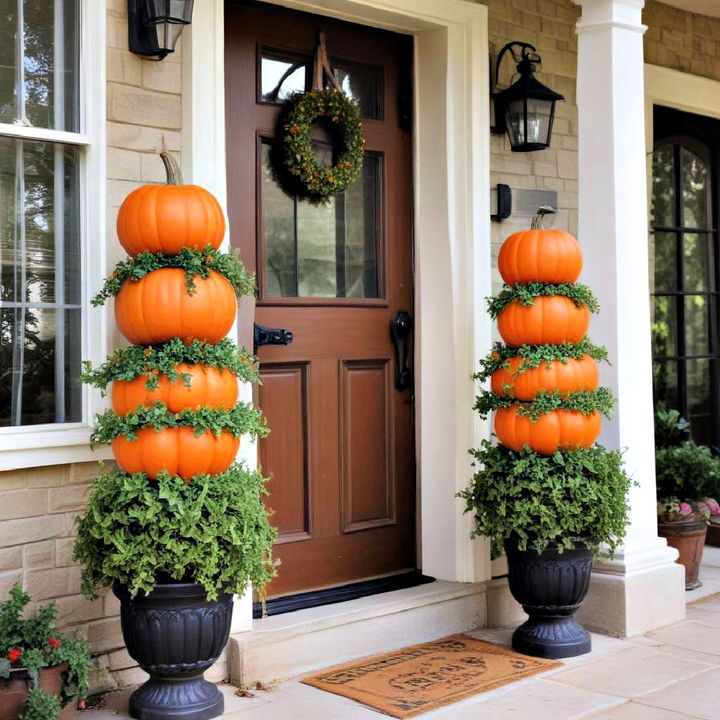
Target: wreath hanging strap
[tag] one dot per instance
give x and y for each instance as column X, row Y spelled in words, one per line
column 311, row 178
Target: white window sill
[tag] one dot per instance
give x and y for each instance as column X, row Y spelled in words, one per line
column 48, row 445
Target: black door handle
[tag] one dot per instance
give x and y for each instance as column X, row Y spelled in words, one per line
column 400, row 328
column 270, row 336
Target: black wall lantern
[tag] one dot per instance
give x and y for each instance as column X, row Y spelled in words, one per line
column 526, row 109
column 154, row 26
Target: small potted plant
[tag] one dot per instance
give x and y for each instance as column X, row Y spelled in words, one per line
column 41, row 670
column 686, row 475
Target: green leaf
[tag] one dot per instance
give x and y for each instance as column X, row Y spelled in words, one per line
column 526, row 294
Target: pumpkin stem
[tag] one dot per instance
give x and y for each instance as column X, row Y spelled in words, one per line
column 174, row 173
column 537, row 221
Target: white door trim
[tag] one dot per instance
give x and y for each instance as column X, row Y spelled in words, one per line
column 452, row 232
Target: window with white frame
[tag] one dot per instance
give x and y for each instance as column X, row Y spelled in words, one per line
column 41, row 161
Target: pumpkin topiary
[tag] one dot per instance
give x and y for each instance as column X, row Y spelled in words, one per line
column 167, row 218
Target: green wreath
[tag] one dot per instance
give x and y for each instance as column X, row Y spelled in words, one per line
column 315, row 180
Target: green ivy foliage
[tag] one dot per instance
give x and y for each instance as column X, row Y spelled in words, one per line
column 130, row 362
column 311, row 178
column 40, row 705
column 213, row 530
column 193, row 262
column 548, row 501
column 585, row 401
column 534, row 356
column 526, row 294
column 41, row 645
column 241, row 419
column 688, row 471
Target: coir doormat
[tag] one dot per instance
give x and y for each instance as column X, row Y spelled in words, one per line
column 420, row 678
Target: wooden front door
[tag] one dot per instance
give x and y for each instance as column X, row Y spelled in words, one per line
column 341, row 450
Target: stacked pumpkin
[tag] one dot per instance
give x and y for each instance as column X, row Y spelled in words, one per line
column 544, row 378
column 174, row 391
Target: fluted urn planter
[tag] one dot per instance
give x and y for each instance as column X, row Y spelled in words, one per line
column 550, row 586
column 175, row 634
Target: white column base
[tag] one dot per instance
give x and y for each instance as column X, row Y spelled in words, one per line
column 640, row 589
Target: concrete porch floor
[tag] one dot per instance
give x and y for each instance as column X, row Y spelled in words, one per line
column 667, row 674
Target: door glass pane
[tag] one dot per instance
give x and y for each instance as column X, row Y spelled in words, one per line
column 697, row 324
column 42, row 89
column 362, row 84
column 700, row 400
column 664, row 326
column 698, row 261
column 663, row 200
column 694, row 189
column 322, row 251
column 665, row 383
column 280, row 76
column 665, row 259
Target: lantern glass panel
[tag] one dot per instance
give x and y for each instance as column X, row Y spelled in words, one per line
column 170, row 11
column 529, row 121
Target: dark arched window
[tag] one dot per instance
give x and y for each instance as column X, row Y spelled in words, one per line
column 683, row 277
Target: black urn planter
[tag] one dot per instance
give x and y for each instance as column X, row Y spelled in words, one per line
column 175, row 634
column 550, row 586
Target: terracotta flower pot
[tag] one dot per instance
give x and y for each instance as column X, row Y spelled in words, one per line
column 14, row 692
column 687, row 536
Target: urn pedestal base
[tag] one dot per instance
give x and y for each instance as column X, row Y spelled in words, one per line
column 552, row 638
column 192, row 698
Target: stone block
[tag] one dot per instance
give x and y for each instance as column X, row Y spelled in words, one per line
column 120, row 660
column 64, row 552
column 145, row 139
column 567, row 164
column 123, row 66
column 130, row 677
column 50, row 584
column 117, row 32
column 135, row 105
column 7, row 580
column 83, row 473
column 44, row 477
column 105, row 635
column 78, row 609
column 39, row 556
column 70, row 497
column 20, row 532
column 117, row 191
column 123, row 164
column 22, row 503
column 13, row 479
column 162, row 76
column 11, row 559
column 111, row 605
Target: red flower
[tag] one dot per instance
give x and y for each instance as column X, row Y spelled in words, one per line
column 54, row 643
column 14, row 654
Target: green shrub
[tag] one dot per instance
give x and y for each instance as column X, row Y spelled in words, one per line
column 689, row 472
column 213, row 530
column 548, row 501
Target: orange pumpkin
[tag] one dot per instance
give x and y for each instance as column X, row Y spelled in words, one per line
column 557, row 430
column 573, row 376
column 551, row 320
column 209, row 387
column 548, row 256
column 177, row 450
column 168, row 218
column 158, row 307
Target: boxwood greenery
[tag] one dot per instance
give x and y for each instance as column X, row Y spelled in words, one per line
column 130, row 362
column 241, row 419
column 526, row 294
column 548, row 501
column 213, row 530
column 584, row 401
column 193, row 262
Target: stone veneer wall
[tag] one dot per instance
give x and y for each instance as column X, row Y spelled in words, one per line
column 38, row 505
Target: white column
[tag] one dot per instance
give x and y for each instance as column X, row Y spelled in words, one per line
column 642, row 587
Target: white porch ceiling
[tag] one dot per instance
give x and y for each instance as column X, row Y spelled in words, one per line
column 703, row 7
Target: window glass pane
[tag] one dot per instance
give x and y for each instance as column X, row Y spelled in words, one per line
column 281, row 76
column 38, row 374
column 665, row 260
column 694, row 189
column 699, row 391
column 697, row 323
column 664, row 326
column 663, row 200
column 322, row 251
column 362, row 84
column 665, row 383
column 698, row 261
column 42, row 90
column 39, row 265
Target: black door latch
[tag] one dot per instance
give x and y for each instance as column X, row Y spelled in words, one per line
column 270, row 336
column 400, row 328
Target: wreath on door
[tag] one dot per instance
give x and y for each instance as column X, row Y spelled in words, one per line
column 310, row 178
